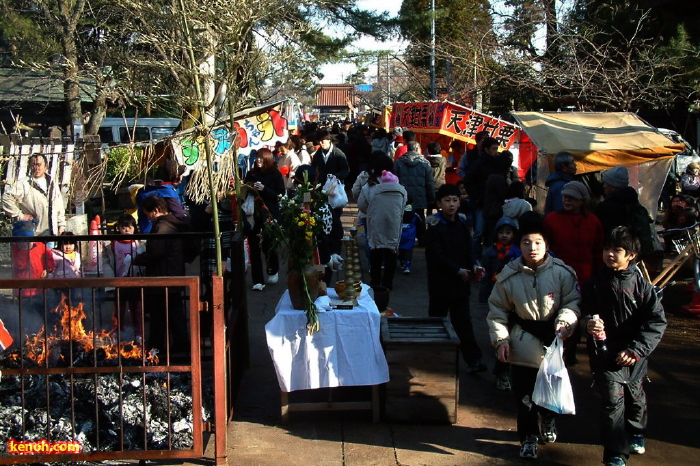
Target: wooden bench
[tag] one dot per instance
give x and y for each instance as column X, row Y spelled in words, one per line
column 423, row 358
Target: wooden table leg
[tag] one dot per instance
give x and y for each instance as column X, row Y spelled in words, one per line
column 375, row 404
column 284, row 398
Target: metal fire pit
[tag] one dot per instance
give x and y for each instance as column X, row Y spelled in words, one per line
column 111, row 396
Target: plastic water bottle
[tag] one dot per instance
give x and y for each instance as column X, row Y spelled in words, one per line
column 599, row 341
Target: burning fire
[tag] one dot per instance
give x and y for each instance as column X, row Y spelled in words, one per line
column 70, row 328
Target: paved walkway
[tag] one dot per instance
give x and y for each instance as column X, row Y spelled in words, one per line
column 484, row 433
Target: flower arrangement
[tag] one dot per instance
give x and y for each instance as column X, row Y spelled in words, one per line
column 301, row 221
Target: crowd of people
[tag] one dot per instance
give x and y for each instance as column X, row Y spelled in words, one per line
column 569, row 273
column 543, row 277
column 36, row 208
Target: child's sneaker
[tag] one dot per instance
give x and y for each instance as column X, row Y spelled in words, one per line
column 503, row 383
column 406, row 270
column 528, row 449
column 549, row 430
column 615, row 461
column 272, row 279
column 258, row 287
column 637, row 445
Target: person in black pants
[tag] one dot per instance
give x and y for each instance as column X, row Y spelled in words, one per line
column 450, row 265
column 329, row 160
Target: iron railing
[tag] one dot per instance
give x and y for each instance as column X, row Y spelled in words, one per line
column 116, row 386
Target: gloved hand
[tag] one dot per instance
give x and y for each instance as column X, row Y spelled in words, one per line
column 336, row 262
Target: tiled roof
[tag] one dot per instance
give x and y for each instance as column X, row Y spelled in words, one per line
column 334, row 95
column 17, row 85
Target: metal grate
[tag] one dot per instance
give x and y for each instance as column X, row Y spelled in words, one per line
column 91, row 383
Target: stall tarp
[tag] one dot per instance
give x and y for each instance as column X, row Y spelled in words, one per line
column 450, row 119
column 597, row 141
column 379, row 118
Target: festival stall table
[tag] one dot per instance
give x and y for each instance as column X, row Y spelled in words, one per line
column 346, row 351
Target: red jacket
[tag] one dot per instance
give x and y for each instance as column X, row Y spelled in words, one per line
column 577, row 240
column 400, row 151
column 31, row 261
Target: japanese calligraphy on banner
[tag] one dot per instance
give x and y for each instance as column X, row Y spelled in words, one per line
column 418, row 115
column 452, row 120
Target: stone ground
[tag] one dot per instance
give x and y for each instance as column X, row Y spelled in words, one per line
column 485, row 431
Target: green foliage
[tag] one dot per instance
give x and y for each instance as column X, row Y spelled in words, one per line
column 131, row 47
column 23, row 33
column 122, row 165
column 466, row 24
column 463, row 31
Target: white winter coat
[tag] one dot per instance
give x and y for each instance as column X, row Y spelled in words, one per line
column 532, row 295
column 48, row 208
column 384, row 204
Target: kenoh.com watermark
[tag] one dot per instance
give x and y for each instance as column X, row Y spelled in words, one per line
column 24, row 447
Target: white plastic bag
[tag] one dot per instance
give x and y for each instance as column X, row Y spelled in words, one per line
column 552, row 386
column 335, row 190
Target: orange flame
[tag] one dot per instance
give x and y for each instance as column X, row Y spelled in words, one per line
column 71, row 328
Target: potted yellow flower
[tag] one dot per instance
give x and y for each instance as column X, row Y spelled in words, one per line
column 301, row 221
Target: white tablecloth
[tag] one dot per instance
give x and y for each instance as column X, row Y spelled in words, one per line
column 346, row 351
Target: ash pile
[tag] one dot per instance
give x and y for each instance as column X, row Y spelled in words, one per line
column 104, row 412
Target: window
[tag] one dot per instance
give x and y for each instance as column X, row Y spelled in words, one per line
column 142, row 134
column 106, row 135
column 161, row 132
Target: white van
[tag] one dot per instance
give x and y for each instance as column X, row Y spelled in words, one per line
column 120, row 130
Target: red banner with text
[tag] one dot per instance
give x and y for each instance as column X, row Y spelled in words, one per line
column 452, row 120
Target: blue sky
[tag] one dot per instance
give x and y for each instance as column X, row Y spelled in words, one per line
column 335, row 73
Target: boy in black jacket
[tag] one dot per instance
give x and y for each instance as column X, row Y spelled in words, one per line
column 450, row 264
column 631, row 322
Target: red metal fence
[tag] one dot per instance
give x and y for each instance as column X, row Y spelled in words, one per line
column 92, row 380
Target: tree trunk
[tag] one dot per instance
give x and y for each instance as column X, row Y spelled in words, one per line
column 71, row 86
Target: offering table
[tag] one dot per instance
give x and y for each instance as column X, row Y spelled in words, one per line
column 346, row 351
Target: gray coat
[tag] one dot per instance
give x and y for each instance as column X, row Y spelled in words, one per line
column 416, row 176
column 384, row 204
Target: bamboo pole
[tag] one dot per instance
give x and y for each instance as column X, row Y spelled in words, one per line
column 207, row 142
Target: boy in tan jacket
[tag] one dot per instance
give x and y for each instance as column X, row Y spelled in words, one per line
column 534, row 298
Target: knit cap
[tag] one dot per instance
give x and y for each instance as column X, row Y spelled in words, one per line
column 577, row 190
column 506, row 221
column 388, row 177
column 617, row 177
column 24, row 227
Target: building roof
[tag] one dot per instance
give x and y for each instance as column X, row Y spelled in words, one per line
column 21, row 85
column 334, row 95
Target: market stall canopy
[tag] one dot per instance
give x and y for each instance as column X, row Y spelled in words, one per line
column 597, row 141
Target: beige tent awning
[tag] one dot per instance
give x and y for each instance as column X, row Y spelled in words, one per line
column 597, row 141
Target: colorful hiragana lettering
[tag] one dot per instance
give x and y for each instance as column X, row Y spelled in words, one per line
column 242, row 134
column 190, row 150
column 222, row 140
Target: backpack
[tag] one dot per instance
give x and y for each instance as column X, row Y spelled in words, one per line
column 640, row 224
